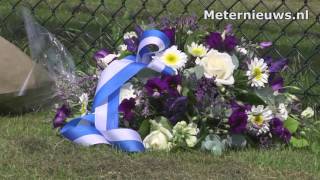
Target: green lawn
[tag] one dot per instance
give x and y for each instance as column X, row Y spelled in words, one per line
column 30, row 149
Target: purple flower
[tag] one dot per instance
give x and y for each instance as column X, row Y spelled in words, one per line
column 214, row 40
column 154, row 85
column 61, row 115
column 175, row 108
column 170, row 32
column 205, row 86
column 101, row 54
column 265, row 44
column 132, row 44
column 278, row 65
column 228, row 28
column 276, row 83
column 172, row 83
column 126, row 107
column 239, row 118
column 286, row 135
column 280, row 131
column 230, row 42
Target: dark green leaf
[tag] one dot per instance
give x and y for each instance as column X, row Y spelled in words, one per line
column 144, row 128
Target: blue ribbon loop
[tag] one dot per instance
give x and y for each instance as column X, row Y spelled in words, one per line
column 101, row 126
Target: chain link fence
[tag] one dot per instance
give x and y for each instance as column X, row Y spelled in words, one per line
column 87, row 25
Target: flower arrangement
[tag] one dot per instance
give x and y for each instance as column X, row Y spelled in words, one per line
column 222, row 93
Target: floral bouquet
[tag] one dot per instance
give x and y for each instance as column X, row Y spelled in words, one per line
column 195, row 90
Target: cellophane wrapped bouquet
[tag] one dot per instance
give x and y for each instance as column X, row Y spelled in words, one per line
column 223, row 95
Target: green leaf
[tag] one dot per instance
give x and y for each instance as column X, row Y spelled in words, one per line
column 164, row 122
column 249, row 97
column 291, row 124
column 197, row 70
column 299, row 143
column 144, row 128
column 185, row 91
column 235, row 61
column 238, row 141
column 266, row 94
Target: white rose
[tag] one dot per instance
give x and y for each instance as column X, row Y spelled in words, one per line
column 218, row 65
column 158, row 139
column 307, row 113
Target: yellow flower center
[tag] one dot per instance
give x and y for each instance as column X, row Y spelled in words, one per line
column 197, row 51
column 258, row 120
column 171, row 59
column 257, row 73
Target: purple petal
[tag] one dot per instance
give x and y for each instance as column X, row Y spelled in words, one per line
column 156, row 85
column 239, row 118
column 214, row 40
column 286, row 135
column 61, row 115
column 277, row 83
column 265, row 44
column 132, row 44
column 101, row 54
column 278, row 65
column 126, row 107
column 170, row 32
column 268, row 60
column 228, row 28
column 230, row 42
column 276, row 122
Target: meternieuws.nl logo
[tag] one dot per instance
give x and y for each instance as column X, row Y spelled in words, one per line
column 253, row 15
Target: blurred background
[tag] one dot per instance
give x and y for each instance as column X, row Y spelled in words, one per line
column 85, row 26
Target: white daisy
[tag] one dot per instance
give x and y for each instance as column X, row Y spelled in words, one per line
column 129, row 35
column 197, row 50
column 258, row 72
column 172, row 57
column 127, row 92
column 258, row 119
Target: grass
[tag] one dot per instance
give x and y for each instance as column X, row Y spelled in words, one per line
column 30, row 149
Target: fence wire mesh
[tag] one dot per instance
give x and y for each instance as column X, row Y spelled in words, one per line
column 85, row 26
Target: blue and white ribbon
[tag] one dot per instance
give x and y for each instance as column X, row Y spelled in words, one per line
column 101, row 126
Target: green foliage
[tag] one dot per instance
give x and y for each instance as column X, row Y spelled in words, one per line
column 291, row 124
column 238, row 141
column 197, row 71
column 249, row 97
column 299, row 143
column 144, row 128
